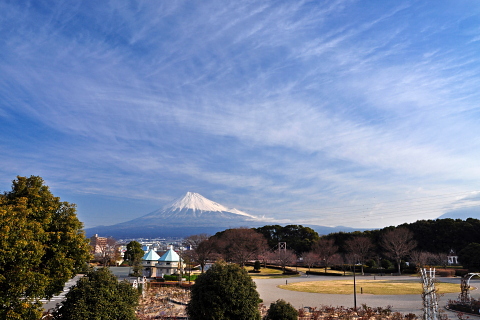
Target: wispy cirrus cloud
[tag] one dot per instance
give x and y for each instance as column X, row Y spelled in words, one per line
column 288, row 107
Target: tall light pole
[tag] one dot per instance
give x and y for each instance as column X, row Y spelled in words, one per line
column 354, row 290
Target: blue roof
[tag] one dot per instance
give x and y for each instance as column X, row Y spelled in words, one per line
column 151, row 255
column 170, row 255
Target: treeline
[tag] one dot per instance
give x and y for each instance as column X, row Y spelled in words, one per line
column 438, row 236
column 425, row 242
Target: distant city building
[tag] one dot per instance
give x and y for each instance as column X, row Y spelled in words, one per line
column 98, row 243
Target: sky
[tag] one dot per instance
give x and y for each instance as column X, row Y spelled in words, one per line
column 354, row 113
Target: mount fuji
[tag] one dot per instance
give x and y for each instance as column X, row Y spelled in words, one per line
column 191, row 214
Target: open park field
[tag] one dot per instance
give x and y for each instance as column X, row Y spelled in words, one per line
column 377, row 287
column 276, row 288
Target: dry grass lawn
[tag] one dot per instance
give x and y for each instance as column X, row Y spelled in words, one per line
column 268, row 273
column 378, row 287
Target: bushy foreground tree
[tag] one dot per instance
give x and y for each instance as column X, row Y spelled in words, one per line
column 42, row 246
column 224, row 292
column 99, row 295
column 281, row 310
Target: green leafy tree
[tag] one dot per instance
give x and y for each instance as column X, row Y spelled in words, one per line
column 42, row 246
column 99, row 295
column 298, row 238
column 224, row 292
column 281, row 310
column 469, row 257
column 134, row 256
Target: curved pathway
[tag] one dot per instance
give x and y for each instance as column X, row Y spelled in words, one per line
column 270, row 292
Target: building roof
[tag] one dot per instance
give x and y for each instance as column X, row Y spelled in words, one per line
column 170, row 256
column 151, row 255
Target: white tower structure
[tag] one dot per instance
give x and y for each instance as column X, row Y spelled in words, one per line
column 429, row 295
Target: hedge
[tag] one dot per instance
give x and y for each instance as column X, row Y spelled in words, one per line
column 318, row 273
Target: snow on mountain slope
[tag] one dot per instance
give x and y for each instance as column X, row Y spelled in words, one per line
column 195, row 202
column 194, row 205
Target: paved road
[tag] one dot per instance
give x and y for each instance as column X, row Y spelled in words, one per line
column 269, row 292
column 120, row 272
column 50, row 304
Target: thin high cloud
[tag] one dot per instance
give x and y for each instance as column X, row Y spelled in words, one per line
column 276, row 108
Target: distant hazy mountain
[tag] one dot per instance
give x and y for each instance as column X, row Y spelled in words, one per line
column 463, row 213
column 191, row 214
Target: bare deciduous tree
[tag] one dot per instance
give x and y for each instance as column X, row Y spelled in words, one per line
column 360, row 248
column 441, row 259
column 325, row 248
column 109, row 252
column 310, row 259
column 241, row 245
column 422, row 258
column 398, row 243
column 283, row 257
column 202, row 250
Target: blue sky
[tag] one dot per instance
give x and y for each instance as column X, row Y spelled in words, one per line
column 354, row 113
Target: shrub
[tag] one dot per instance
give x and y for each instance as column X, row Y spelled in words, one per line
column 225, row 291
column 317, row 273
column 281, row 310
column 386, row 264
column 174, row 277
column 371, row 263
column 461, row 272
column 446, row 272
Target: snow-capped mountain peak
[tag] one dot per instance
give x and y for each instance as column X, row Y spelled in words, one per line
column 195, row 201
column 194, row 205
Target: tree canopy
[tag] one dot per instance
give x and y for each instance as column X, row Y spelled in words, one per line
column 224, row 292
column 298, row 238
column 202, row 249
column 133, row 255
column 99, row 295
column 398, row 243
column 470, row 257
column 239, row 245
column 42, row 246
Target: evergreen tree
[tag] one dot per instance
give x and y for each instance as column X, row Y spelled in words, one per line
column 281, row 310
column 224, row 292
column 42, row 246
column 99, row 295
column 469, row 257
column 134, row 256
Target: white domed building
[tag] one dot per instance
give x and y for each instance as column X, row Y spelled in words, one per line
column 155, row 266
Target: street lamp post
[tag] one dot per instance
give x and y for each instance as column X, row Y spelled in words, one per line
column 354, row 290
